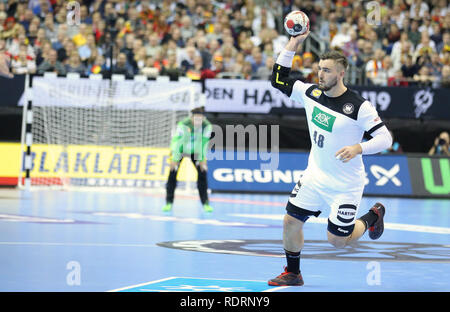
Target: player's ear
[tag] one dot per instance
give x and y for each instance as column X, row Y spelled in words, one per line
column 341, row 71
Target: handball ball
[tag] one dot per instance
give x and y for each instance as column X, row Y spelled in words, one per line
column 296, row 23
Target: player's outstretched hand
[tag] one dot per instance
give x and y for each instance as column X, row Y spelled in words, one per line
column 300, row 38
column 348, row 152
column 296, row 41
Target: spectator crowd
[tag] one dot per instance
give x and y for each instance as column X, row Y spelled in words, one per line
column 393, row 43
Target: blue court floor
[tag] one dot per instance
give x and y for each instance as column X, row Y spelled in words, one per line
column 103, row 240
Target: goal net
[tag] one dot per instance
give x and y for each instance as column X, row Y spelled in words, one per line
column 87, row 132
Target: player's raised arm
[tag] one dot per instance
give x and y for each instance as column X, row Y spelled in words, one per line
column 280, row 74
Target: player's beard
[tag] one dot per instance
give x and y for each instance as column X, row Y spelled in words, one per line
column 331, row 84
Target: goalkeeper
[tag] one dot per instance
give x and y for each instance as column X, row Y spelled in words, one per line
column 191, row 139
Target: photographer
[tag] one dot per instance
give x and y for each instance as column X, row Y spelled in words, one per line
column 441, row 145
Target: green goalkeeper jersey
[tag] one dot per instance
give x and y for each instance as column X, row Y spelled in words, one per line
column 189, row 140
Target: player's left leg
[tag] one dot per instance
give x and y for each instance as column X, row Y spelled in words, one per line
column 202, row 184
column 343, row 229
column 372, row 221
column 341, row 241
column 171, row 185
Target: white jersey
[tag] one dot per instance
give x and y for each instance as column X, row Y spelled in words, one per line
column 334, row 123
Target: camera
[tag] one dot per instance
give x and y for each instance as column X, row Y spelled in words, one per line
column 441, row 142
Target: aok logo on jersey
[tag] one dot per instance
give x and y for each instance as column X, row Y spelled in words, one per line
column 322, row 119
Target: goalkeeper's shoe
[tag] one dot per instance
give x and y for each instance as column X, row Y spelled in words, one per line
column 287, row 279
column 167, row 207
column 207, row 208
column 377, row 229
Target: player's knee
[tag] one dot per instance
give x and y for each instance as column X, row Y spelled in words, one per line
column 290, row 222
column 300, row 214
column 337, row 242
column 338, row 234
column 173, row 166
column 340, row 230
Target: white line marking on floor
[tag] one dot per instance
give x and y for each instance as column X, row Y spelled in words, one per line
column 390, row 226
column 143, row 284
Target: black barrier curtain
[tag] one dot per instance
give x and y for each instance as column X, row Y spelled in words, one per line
column 408, row 103
column 413, row 102
column 391, row 102
column 11, row 90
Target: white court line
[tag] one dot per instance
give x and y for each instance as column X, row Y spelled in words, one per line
column 76, row 244
column 143, row 284
column 218, row 278
column 390, row 226
column 194, row 278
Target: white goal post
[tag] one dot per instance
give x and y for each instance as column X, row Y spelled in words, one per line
column 83, row 132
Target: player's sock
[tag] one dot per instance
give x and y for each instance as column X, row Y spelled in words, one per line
column 171, row 186
column 369, row 219
column 202, row 185
column 293, row 261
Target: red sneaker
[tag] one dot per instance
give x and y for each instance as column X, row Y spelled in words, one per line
column 377, row 229
column 287, row 279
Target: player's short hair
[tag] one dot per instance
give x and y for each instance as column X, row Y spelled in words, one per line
column 198, row 110
column 337, row 56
